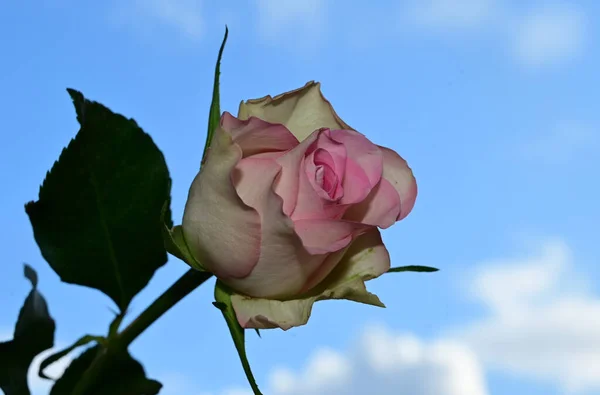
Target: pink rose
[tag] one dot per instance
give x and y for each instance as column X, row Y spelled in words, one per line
column 286, row 209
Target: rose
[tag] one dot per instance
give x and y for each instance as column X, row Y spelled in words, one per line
column 287, row 206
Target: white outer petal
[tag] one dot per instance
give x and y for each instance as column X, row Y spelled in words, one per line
column 302, row 110
column 214, row 215
column 365, row 259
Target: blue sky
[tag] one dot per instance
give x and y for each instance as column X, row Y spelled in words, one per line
column 493, row 104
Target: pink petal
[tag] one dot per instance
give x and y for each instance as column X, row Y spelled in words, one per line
column 357, row 185
column 255, row 136
column 362, row 151
column 321, row 236
column 321, row 173
column 335, row 149
column 364, row 160
column 381, row 208
column 214, row 215
column 397, row 172
column 309, row 205
column 284, row 264
column 287, row 184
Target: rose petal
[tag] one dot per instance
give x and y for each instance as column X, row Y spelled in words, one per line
column 302, row 110
column 361, row 154
column 336, row 150
column 330, row 155
column 365, row 259
column 214, row 215
column 356, row 184
column 309, row 205
column 256, row 136
column 287, row 184
column 320, row 236
column 283, row 265
column 397, row 172
column 320, row 171
column 381, row 208
column 255, row 313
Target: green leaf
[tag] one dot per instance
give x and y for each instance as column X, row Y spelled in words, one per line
column 56, row 356
column 223, row 303
column 122, row 376
column 214, row 114
column 34, row 333
column 422, row 269
column 98, row 218
column 13, row 369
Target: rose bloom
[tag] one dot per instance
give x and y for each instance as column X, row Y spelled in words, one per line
column 286, row 208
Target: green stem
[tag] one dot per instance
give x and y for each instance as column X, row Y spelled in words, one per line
column 191, row 280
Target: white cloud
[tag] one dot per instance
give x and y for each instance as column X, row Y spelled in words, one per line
column 39, row 386
column 550, row 35
column 385, row 363
column 561, row 144
column 543, row 321
column 305, row 18
column 451, row 14
column 184, row 16
column 544, row 35
column 177, row 384
column 6, row 334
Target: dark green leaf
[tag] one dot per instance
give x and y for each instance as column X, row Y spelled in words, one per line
column 422, row 269
column 13, row 370
column 56, row 356
column 98, row 218
column 34, row 333
column 223, row 303
column 123, row 375
column 214, row 114
column 34, row 312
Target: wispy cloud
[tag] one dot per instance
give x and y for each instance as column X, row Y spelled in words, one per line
column 178, row 384
column 451, row 14
column 386, row 363
column 542, row 322
column 550, row 35
column 302, row 19
column 41, row 386
column 537, row 37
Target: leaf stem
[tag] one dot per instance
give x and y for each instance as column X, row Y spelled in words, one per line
column 190, row 280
